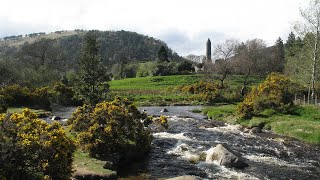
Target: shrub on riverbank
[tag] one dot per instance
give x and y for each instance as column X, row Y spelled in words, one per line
column 111, row 130
column 209, row 92
column 64, row 95
column 40, row 98
column 16, row 96
column 33, row 149
column 273, row 93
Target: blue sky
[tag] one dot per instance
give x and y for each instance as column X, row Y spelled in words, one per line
column 184, row 25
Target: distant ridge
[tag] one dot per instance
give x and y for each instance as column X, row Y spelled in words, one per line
column 115, row 46
column 30, row 39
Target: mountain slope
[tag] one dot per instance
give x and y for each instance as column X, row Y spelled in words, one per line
column 115, row 46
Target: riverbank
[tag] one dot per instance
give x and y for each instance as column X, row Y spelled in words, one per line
column 304, row 124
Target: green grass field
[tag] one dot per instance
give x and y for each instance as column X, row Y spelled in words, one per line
column 155, row 90
column 163, row 82
column 84, row 164
column 220, row 112
column 304, row 125
column 154, row 82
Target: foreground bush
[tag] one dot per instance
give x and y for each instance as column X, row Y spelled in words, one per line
column 273, row 93
column 111, row 130
column 30, row 148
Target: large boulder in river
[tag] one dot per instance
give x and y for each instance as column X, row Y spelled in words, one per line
column 225, row 157
column 55, row 118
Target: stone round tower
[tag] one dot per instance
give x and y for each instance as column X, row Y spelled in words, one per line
column 208, row 51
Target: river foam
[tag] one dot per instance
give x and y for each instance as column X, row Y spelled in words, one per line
column 271, row 160
column 215, row 171
column 166, row 135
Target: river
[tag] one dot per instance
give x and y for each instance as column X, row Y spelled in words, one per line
column 177, row 151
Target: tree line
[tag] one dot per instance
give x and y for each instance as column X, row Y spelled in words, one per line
column 250, row 58
column 297, row 58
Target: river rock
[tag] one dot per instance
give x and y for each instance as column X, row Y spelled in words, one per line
column 109, row 165
column 55, row 118
column 164, row 110
column 255, row 130
column 207, row 125
column 225, row 157
column 245, row 130
column 186, row 177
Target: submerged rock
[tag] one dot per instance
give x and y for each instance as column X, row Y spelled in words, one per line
column 164, row 110
column 225, row 157
column 207, row 125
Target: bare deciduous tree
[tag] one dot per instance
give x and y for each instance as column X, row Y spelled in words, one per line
column 224, row 53
column 249, row 60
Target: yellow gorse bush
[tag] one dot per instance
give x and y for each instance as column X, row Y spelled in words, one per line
column 207, row 92
column 38, row 148
column 110, row 129
column 162, row 120
column 273, row 93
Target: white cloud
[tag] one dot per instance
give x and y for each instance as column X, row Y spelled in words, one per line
column 245, row 19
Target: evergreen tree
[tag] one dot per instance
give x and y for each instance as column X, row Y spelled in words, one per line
column 162, row 54
column 299, row 42
column 280, row 55
column 298, row 60
column 291, row 39
column 92, row 77
column 291, row 45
